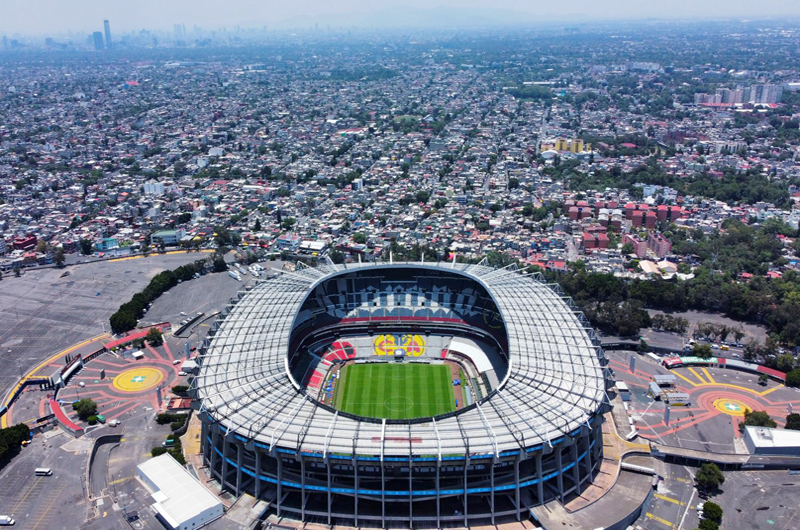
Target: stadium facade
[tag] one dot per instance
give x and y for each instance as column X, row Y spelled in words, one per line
column 530, row 432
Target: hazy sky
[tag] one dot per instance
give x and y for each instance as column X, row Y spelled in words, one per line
column 53, row 16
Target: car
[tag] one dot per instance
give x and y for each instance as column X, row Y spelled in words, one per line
column 7, row 520
column 193, row 348
column 176, row 361
column 183, row 313
column 114, row 423
column 182, row 373
column 25, row 443
column 82, row 384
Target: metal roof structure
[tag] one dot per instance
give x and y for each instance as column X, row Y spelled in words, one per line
column 554, row 385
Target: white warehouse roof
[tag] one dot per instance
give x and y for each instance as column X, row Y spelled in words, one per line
column 181, row 500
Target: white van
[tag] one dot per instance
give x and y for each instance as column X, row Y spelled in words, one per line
column 6, row 520
column 43, row 471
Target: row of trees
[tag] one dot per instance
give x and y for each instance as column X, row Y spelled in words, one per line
column 129, row 313
column 717, row 332
column 669, row 323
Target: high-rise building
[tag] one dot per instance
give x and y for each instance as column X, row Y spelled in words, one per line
column 177, row 30
column 5, row 42
column 98, row 40
column 107, row 28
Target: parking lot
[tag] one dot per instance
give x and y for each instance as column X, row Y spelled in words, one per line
column 42, row 502
column 47, row 310
column 753, row 500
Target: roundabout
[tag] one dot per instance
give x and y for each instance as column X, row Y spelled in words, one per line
column 732, row 407
column 138, row 379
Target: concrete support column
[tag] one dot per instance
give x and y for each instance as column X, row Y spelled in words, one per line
column 214, row 454
column 466, row 506
column 491, row 484
column 516, row 488
column 539, row 475
column 238, row 469
column 204, row 442
column 410, row 495
column 330, row 500
column 438, row 495
column 280, row 479
column 576, row 471
column 357, row 484
column 560, row 476
column 224, row 478
column 258, row 471
column 302, row 488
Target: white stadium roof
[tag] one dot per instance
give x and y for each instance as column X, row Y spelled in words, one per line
column 555, row 382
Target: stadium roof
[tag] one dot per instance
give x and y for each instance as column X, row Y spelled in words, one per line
column 554, row 385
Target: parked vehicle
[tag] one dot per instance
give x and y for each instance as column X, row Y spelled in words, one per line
column 7, row 520
column 43, row 471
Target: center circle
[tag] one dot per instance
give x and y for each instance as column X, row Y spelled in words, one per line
column 138, row 379
column 398, row 403
column 731, row 407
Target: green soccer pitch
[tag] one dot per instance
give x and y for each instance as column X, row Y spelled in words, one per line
column 395, row 391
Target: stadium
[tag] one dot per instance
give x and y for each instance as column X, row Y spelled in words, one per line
column 402, row 395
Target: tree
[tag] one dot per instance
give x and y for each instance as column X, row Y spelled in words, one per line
column 627, row 248
column 763, row 379
column 709, row 477
column 359, row 238
column 154, row 337
column 513, row 183
column 422, row 196
column 708, row 524
column 58, row 258
column 257, row 227
column 86, row 246
column 17, row 272
column 793, row 378
column 702, row 350
column 793, row 422
column 785, row 362
column 757, row 418
column 712, row 511
column 122, row 321
column 85, row 408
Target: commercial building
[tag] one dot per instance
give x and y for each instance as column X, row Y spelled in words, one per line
column 181, row 501
column 98, row 40
column 168, row 237
column 107, row 29
column 766, row 441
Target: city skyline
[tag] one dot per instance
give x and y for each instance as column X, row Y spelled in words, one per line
column 41, row 17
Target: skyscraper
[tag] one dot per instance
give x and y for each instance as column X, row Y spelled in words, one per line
column 98, row 40
column 108, row 33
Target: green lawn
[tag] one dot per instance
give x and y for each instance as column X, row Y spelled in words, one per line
column 395, row 390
